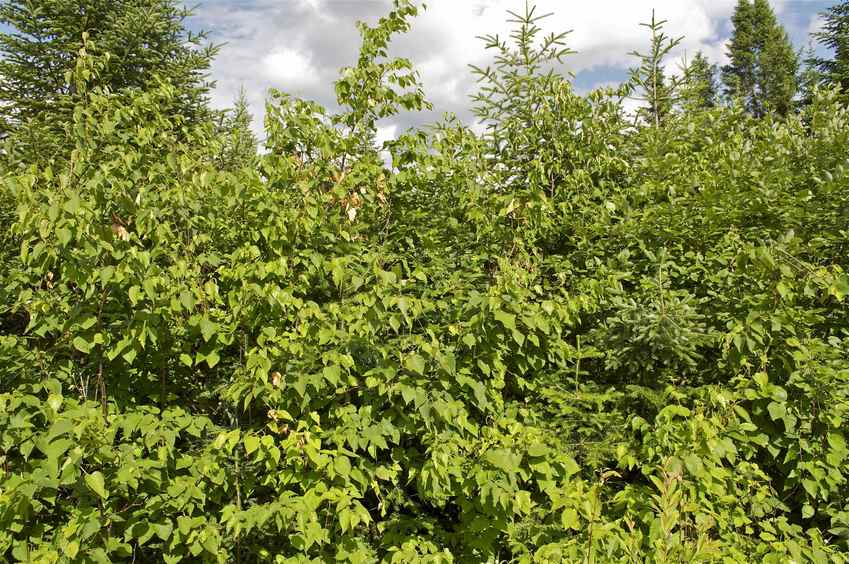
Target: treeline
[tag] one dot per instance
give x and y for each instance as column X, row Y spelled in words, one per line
column 580, row 335
column 764, row 74
column 149, row 41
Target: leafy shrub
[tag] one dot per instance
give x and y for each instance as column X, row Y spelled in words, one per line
column 566, row 339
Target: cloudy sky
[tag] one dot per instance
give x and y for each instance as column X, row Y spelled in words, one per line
column 298, row 46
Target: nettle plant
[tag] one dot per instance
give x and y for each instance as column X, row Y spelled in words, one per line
column 566, row 339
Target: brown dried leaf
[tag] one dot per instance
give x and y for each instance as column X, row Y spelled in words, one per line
column 120, row 232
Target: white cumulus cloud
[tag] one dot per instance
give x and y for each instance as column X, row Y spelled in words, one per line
column 298, row 46
column 289, row 67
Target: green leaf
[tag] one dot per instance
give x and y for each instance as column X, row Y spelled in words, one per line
column 810, row 487
column 97, row 484
column 570, row 466
column 71, row 549
column 807, row 511
column 187, row 300
column 332, row 374
column 342, row 466
column 82, row 345
column 212, row 358
column 694, row 465
column 569, row 519
column 538, row 449
column 506, row 319
column 776, row 410
column 252, row 443
column 72, row 204
column 130, row 355
column 163, row 530
column 207, row 328
column 415, row 363
column 504, row 459
column 63, row 234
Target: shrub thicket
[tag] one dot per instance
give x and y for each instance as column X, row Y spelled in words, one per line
column 568, row 338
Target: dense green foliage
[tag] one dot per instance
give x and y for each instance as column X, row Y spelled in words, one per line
column 762, row 70
column 834, row 35
column 569, row 338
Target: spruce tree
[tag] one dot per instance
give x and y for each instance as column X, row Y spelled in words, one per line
column 779, row 64
column 649, row 81
column 238, row 142
column 739, row 75
column 699, row 90
column 763, row 67
column 835, row 37
column 145, row 38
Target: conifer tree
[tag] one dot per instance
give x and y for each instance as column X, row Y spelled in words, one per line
column 763, row 67
column 810, row 76
column 145, row 38
column 699, row 90
column 835, row 37
column 779, row 64
column 739, row 75
column 649, row 80
column 238, row 142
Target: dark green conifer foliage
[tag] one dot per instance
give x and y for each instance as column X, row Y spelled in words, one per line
column 649, row 81
column 779, row 64
column 700, row 90
column 739, row 75
column 508, row 98
column 835, row 36
column 762, row 73
column 144, row 38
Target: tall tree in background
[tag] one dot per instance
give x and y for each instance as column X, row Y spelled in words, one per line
column 146, row 38
column 835, row 36
column 699, row 90
column 739, row 75
column 779, row 64
column 763, row 67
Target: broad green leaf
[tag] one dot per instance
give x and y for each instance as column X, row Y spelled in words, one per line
column 207, row 328
column 504, row 459
column 569, row 519
column 776, row 410
column 415, row 363
column 506, row 319
column 96, row 483
column 82, row 344
column 251, row 443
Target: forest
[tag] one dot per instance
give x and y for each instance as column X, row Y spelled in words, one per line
column 575, row 333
